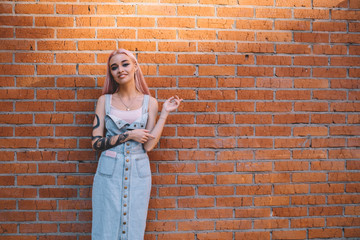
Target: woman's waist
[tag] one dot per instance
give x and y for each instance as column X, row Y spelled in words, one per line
column 129, row 147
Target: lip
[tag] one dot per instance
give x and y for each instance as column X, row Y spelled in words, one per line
column 122, row 75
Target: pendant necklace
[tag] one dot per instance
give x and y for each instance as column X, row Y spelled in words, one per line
column 127, row 107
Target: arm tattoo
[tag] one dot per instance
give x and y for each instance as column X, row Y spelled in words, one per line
column 97, row 122
column 104, row 143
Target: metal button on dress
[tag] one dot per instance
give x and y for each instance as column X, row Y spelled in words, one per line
column 125, row 196
column 126, row 178
column 123, row 231
column 124, row 213
column 125, row 187
column 128, row 152
column 127, row 144
column 126, row 169
column 124, row 223
column 125, row 205
column 127, row 160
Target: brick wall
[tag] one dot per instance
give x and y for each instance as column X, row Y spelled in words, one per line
column 264, row 145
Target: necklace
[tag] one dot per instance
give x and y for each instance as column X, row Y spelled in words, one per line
column 127, row 107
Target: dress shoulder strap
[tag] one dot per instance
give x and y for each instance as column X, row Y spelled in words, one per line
column 146, row 103
column 107, row 103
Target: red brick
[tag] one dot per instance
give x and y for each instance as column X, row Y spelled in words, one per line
column 176, row 236
column 35, row 180
column 255, row 143
column 272, row 131
column 197, row 34
column 16, row 69
column 329, row 49
column 195, row 202
column 253, row 119
column 307, row 200
column 214, row 213
column 291, row 166
column 311, row 107
column 293, row 3
column 235, row 131
column 233, row 179
column 195, row 11
column 215, row 167
column 274, row 36
column 215, row 235
column 236, row 35
column 215, row 190
column 327, row 165
column 301, row 234
column 292, row 72
column 195, row 225
column 254, row 24
column 250, row 167
column 292, row 25
column 254, row 190
column 177, row 46
column 312, row 14
column 215, row 47
column 325, row 211
column 329, row 26
column 327, row 188
column 252, row 235
column 290, row 212
column 233, row 201
column 307, row 222
column 351, row 232
column 75, row 9
column 215, row 23
column 252, row 212
column 325, row 233
column 291, row 189
column 175, row 214
column 309, row 177
column 256, row 47
column 232, row 225
column 236, row 107
column 273, row 13
column 200, row 179
column 272, row 178
column 274, row 82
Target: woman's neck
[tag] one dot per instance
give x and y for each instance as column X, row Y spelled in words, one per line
column 127, row 91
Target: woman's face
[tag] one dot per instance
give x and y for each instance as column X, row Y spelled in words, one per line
column 122, row 68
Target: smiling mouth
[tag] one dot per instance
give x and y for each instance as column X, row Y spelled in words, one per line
column 122, row 75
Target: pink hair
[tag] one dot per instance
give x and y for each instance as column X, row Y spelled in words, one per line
column 110, row 86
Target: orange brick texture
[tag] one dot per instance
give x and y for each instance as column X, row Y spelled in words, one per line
column 264, row 146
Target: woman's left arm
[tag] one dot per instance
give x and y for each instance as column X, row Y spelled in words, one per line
column 169, row 105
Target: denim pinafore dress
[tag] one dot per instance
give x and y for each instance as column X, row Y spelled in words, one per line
column 122, row 183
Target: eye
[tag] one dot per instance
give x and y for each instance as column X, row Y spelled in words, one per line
column 114, row 68
column 125, row 64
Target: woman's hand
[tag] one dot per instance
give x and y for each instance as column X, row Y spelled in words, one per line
column 140, row 135
column 171, row 104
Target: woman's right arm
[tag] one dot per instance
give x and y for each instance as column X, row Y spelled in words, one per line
column 99, row 142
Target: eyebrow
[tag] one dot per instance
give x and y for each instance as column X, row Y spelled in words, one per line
column 121, row 61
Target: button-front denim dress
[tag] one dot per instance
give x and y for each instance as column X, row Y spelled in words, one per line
column 122, row 183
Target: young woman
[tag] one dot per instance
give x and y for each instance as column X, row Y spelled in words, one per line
column 126, row 113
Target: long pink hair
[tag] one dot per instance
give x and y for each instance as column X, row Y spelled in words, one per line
column 110, row 85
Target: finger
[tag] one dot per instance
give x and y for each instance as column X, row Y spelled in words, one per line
column 148, row 135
